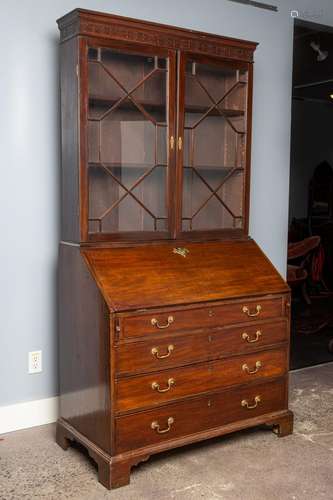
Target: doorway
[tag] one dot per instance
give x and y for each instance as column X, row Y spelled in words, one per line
column 310, row 238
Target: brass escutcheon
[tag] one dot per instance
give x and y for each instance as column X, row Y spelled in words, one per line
column 181, row 251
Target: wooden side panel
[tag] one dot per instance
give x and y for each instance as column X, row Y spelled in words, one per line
column 246, row 191
column 84, row 350
column 70, row 230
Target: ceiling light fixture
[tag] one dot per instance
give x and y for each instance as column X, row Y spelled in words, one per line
column 322, row 54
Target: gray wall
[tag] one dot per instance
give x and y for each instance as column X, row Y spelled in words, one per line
column 30, row 155
column 311, row 144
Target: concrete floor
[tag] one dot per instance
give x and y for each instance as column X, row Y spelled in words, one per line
column 248, row 465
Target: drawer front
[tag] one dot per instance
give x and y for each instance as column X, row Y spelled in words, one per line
column 189, row 417
column 194, row 319
column 148, row 390
column 160, row 352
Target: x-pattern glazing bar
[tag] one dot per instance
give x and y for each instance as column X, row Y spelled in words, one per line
column 128, row 191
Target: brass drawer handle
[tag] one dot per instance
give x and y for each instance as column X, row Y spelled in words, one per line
column 155, row 352
column 246, row 404
column 246, row 368
column 170, row 320
column 246, row 337
column 156, row 426
column 246, row 310
column 156, row 386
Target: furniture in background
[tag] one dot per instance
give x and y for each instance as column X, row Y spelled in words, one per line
column 325, row 232
column 174, row 326
column 300, row 262
column 309, row 257
column 296, row 279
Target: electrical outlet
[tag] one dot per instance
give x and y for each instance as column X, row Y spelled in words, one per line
column 35, row 361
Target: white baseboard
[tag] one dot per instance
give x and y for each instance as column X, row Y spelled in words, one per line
column 29, row 414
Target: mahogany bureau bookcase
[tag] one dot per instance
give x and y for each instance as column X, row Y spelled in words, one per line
column 174, row 326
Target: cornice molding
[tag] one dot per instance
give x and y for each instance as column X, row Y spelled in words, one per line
column 119, row 28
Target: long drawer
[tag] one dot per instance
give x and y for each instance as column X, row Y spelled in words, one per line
column 155, row 388
column 189, row 417
column 161, row 352
column 175, row 320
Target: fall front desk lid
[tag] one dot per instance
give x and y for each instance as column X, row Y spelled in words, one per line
column 141, row 277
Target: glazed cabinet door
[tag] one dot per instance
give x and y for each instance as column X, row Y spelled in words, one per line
column 130, row 121
column 214, row 101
